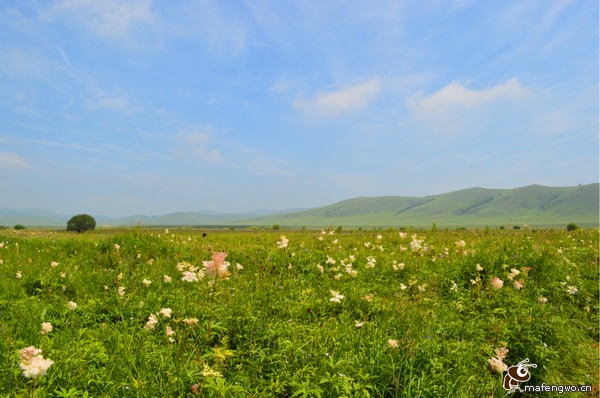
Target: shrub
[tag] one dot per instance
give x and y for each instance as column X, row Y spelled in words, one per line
column 572, row 226
column 19, row 226
column 276, row 227
column 81, row 223
column 516, row 227
column 339, row 229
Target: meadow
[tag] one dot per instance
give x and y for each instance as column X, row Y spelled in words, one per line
column 377, row 313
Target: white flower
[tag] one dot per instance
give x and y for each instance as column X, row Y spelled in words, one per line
column 542, row 299
column 63, row 275
column 191, row 321
column 454, row 286
column 320, row 268
column 169, row 331
column 283, row 243
column 479, row 268
column 166, row 312
column 358, row 324
column 117, row 247
column 46, row 327
column 19, row 274
column 152, row 321
column 330, row 260
column 497, row 283
column 53, row 264
column 239, row 266
column 35, row 365
column 189, row 277
column 513, row 273
column 402, row 286
column 121, row 291
column 393, row 343
column 72, row 305
column 379, row 237
column 402, row 235
column 572, row 289
column 167, row 279
column 147, row 282
column 337, row 298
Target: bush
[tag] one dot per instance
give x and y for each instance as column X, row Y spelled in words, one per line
column 572, row 226
column 276, row 227
column 81, row 223
column 19, row 226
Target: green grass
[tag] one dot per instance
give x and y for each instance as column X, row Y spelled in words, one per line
column 270, row 329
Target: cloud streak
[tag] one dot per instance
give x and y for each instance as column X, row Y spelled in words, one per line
column 348, row 98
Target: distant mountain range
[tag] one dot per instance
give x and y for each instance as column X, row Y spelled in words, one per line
column 535, row 205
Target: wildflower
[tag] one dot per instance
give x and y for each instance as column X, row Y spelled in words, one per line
column 189, row 277
column 63, row 275
column 19, row 274
column 358, row 324
column 330, row 260
column 370, row 262
column 33, row 364
column 454, row 286
column 497, row 283
column 397, row 267
column 402, row 286
column 368, row 297
column 218, row 266
column 190, row 321
column 239, row 266
column 121, row 290
column 320, row 268
column 479, row 268
column 518, row 285
column 542, row 300
column 147, row 282
column 422, row 287
column 572, row 289
column 402, row 235
column 497, row 365
column 513, row 273
column 53, row 264
column 393, row 343
column 180, row 266
column 46, row 328
column 379, row 237
column 337, row 276
column 117, row 247
column 460, row 243
column 167, row 279
column 335, row 242
column 166, row 312
column 337, row 298
column 72, row 305
column 169, row 331
column 208, row 371
column 120, row 276
column 152, row 321
column 283, row 243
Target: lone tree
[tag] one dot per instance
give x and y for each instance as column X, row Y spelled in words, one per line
column 81, row 222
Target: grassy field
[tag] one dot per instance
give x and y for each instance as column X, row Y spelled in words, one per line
column 359, row 313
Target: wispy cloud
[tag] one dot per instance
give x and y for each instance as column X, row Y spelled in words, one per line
column 13, row 161
column 113, row 19
column 455, row 95
column 348, row 98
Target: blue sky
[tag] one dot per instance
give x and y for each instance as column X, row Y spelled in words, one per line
column 126, row 107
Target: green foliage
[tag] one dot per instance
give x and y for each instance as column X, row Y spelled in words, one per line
column 516, row 227
column 572, row 226
column 434, row 228
column 339, row 229
column 81, row 223
column 270, row 327
column 276, row 227
column 19, row 226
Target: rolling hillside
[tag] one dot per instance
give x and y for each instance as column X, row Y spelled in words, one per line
column 535, row 205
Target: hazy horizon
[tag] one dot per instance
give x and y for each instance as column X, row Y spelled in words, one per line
column 141, row 107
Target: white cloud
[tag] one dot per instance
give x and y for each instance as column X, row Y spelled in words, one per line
column 13, row 161
column 456, row 96
column 114, row 19
column 348, row 98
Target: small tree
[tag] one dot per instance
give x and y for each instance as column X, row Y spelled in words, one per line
column 19, row 226
column 81, row 223
column 572, row 226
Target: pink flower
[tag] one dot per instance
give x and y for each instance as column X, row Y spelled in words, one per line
column 218, row 265
column 518, row 285
column 497, row 283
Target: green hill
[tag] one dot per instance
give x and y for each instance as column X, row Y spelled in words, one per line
column 534, row 205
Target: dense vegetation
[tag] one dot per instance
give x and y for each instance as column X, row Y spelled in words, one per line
column 352, row 313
